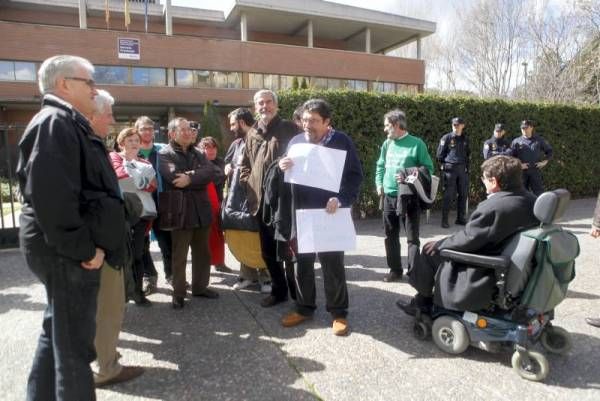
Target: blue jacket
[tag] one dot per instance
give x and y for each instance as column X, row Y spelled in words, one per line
column 531, row 150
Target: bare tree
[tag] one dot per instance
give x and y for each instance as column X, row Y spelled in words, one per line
column 491, row 45
column 556, row 70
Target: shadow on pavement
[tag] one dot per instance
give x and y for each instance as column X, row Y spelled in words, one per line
column 210, row 350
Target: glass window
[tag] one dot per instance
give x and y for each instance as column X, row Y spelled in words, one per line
column 285, row 81
column 377, row 86
column 255, row 81
column 360, row 85
column 149, row 76
column 24, row 71
column 203, row 79
column 271, row 81
column 318, row 83
column 389, row 87
column 334, row 83
column 219, row 79
column 111, row 75
column 184, row 78
column 234, row 80
column 7, row 70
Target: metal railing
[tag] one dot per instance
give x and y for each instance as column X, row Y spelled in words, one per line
column 9, row 205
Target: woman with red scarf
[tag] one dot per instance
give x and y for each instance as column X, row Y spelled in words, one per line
column 216, row 240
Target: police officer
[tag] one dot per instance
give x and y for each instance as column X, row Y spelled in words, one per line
column 534, row 153
column 453, row 155
column 497, row 144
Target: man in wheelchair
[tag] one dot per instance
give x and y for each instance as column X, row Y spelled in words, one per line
column 507, row 210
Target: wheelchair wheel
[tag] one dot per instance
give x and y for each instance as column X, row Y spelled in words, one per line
column 450, row 335
column 530, row 365
column 556, row 340
column 421, row 330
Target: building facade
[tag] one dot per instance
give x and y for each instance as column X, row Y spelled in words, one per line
column 171, row 60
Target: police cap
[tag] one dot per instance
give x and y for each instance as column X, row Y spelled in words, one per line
column 458, row 120
column 527, row 123
column 499, row 127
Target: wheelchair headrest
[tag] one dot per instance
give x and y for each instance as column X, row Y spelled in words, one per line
column 551, row 205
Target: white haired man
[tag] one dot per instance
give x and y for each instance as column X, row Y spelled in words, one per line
column 72, row 220
column 111, row 296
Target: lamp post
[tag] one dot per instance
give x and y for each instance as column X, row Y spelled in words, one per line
column 524, row 64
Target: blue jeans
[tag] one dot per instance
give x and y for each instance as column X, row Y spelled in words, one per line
column 61, row 365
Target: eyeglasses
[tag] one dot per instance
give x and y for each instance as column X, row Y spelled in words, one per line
column 89, row 82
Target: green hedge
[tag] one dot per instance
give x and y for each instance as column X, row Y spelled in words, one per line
column 571, row 130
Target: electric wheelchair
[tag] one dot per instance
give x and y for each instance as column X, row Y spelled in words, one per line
column 532, row 275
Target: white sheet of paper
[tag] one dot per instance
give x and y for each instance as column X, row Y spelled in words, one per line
column 319, row 231
column 316, row 166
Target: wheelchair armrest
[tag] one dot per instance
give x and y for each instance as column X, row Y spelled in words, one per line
column 490, row 262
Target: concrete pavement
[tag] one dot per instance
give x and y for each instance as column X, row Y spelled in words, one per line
column 232, row 349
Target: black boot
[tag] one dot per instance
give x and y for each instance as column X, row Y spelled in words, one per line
column 445, row 219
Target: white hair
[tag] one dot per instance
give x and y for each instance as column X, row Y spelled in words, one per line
column 102, row 100
column 263, row 92
column 60, row 67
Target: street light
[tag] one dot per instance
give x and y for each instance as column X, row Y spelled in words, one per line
column 524, row 64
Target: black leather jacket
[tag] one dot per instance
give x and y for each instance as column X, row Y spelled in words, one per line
column 71, row 198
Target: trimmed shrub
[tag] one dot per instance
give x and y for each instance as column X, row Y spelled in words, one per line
column 570, row 130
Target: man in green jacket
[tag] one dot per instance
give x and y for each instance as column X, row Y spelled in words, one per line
column 400, row 150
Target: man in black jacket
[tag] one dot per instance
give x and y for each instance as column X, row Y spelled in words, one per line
column 507, row 210
column 186, row 171
column 72, row 220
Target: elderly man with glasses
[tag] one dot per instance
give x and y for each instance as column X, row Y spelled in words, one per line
column 72, row 221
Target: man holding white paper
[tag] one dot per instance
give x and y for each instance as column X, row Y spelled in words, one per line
column 316, row 120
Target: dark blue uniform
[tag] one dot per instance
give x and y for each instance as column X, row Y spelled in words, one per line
column 453, row 155
column 496, row 146
column 531, row 151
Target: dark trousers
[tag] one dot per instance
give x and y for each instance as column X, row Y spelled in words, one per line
column 140, row 248
column 164, row 243
column 422, row 274
column 392, row 223
column 456, row 181
column 149, row 268
column 61, row 365
column 532, row 181
column 268, row 245
column 197, row 239
column 334, row 278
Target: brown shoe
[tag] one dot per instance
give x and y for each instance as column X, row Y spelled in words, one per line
column 293, row 319
column 127, row 373
column 340, row 326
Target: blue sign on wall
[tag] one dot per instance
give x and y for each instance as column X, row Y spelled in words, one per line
column 128, row 48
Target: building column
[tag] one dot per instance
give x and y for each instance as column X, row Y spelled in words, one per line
column 368, row 40
column 171, row 113
column 243, row 27
column 82, row 15
column 419, row 48
column 309, row 31
column 168, row 18
column 170, row 77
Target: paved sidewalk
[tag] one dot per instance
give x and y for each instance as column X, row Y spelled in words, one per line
column 232, row 349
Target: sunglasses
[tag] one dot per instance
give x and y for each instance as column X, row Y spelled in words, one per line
column 89, row 82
